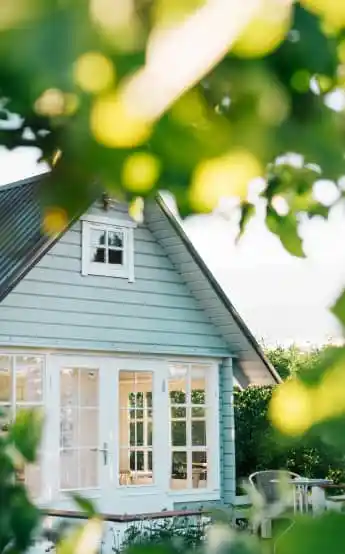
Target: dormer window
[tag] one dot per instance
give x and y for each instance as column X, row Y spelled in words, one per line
column 107, row 248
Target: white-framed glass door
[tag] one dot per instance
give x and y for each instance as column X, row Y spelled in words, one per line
column 108, row 429
column 78, row 416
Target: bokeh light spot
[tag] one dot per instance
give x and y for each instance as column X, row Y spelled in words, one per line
column 300, row 80
column 94, row 72
column 265, row 31
column 136, row 209
column 55, row 220
column 116, row 125
column 332, row 11
column 140, row 172
column 223, row 177
column 291, row 408
column 51, row 103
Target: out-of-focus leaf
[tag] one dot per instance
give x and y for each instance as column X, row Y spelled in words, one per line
column 83, row 540
column 338, row 309
column 247, row 212
column 26, row 433
column 315, row 535
column 285, row 227
column 24, row 516
column 84, row 504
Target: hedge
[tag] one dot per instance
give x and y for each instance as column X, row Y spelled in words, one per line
column 258, row 447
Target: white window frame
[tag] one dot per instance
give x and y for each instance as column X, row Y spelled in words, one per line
column 16, row 405
column 111, row 364
column 145, row 420
column 212, row 489
column 126, row 270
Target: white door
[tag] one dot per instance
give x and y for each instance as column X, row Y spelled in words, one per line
column 109, row 432
column 80, row 441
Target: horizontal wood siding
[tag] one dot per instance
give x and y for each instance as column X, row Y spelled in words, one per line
column 227, row 433
column 55, row 305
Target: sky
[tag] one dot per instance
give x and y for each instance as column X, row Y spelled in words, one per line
column 282, row 299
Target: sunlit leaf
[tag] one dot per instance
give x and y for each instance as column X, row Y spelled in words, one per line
column 315, row 535
column 27, row 443
column 338, row 309
column 85, row 504
column 285, row 227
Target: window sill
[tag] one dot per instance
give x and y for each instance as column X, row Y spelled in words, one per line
column 194, row 495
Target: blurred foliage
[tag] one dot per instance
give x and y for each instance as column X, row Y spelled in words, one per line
column 64, row 65
column 19, row 518
column 258, row 446
column 64, row 80
column 290, row 361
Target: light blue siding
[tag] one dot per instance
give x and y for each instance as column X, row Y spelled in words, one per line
column 56, row 306
column 227, row 433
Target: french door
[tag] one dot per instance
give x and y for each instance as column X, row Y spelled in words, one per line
column 108, row 418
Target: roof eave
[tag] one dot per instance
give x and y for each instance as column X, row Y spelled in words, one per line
column 216, row 286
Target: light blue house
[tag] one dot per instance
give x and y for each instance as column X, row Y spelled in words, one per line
column 124, row 336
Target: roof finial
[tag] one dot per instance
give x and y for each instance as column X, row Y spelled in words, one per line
column 105, row 201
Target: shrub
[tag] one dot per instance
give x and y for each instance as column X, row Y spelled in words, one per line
column 258, row 447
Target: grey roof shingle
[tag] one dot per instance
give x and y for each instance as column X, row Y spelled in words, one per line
column 21, row 239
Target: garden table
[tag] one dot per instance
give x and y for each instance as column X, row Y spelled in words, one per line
column 303, row 484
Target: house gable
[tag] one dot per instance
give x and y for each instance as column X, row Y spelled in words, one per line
column 54, row 305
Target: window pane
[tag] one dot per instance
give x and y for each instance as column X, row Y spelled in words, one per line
column 69, row 387
column 198, row 385
column 199, row 470
column 149, row 434
column 177, row 392
column 199, row 433
column 89, row 383
column 178, row 413
column 5, row 379
column 149, row 455
column 115, row 257
column 133, row 461
column 178, row 383
column 178, row 470
column 88, row 469
column 198, row 412
column 79, row 422
column 97, row 237
column 69, row 469
column 140, row 460
column 115, row 238
column 69, row 420
column 33, row 476
column 135, row 428
column 88, row 427
column 140, row 434
column 6, row 417
column 149, row 399
column 178, row 433
column 29, row 380
column 98, row 255
column 132, row 434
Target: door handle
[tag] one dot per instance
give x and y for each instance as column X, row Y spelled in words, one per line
column 104, row 451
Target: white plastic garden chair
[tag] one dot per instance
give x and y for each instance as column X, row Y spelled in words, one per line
column 269, row 485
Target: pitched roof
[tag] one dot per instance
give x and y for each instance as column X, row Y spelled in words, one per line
column 23, row 244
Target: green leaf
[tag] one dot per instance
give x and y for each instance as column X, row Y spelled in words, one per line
column 84, row 504
column 26, row 433
column 315, row 535
column 285, row 227
column 24, row 517
column 84, row 540
column 248, row 211
column 338, row 309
